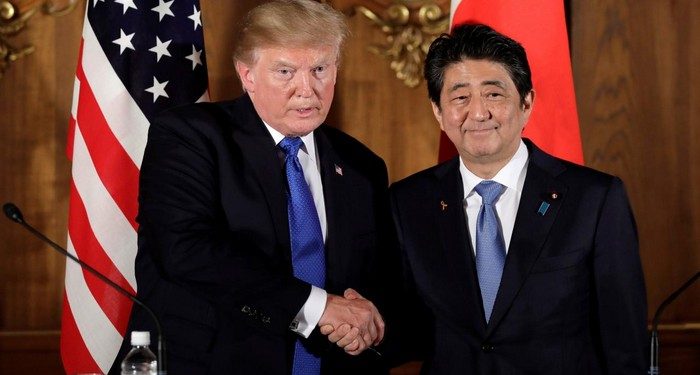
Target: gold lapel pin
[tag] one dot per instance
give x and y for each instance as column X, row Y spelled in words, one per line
column 443, row 205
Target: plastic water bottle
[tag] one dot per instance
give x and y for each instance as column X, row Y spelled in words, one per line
column 140, row 360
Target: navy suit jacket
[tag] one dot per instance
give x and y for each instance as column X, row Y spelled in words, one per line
column 214, row 250
column 571, row 299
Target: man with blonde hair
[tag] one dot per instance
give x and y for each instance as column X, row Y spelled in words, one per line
column 258, row 223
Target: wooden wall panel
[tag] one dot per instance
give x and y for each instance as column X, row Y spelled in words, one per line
column 374, row 106
column 637, row 88
column 639, row 106
column 222, row 20
column 30, row 352
column 35, row 97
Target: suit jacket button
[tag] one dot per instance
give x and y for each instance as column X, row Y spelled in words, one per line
column 487, row 347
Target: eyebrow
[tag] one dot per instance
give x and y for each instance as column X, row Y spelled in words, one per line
column 494, row 83
column 282, row 62
column 460, row 85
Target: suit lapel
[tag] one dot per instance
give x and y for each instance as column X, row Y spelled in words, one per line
column 260, row 152
column 337, row 179
column 454, row 236
column 532, row 227
column 334, row 187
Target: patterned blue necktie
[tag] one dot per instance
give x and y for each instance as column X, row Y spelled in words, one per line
column 490, row 247
column 308, row 258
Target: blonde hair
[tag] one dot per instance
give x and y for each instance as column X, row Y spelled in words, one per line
column 292, row 23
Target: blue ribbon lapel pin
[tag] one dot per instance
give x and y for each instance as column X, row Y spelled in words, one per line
column 544, row 206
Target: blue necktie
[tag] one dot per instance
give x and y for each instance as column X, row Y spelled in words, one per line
column 308, row 258
column 490, row 247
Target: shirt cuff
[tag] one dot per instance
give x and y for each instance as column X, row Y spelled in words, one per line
column 307, row 318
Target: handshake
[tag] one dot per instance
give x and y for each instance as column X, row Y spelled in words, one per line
column 351, row 322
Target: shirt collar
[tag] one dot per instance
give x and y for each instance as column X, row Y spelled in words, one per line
column 308, row 146
column 509, row 175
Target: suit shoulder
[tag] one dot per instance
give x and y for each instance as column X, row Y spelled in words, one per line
column 572, row 173
column 196, row 117
column 423, row 181
column 347, row 146
column 579, row 174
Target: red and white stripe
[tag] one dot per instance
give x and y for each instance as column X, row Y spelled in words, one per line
column 107, row 143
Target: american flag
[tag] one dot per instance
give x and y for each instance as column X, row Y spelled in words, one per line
column 137, row 58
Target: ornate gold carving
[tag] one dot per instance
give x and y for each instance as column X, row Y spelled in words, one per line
column 410, row 26
column 51, row 9
column 13, row 21
column 10, row 24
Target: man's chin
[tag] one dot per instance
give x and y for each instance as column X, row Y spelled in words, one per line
column 305, row 126
column 482, row 151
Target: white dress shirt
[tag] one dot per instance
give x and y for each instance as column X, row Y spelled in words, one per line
column 310, row 313
column 512, row 176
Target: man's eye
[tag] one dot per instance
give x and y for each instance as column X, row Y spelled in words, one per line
column 284, row 73
column 319, row 70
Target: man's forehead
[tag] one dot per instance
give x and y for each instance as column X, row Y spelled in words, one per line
column 477, row 72
column 298, row 55
column 454, row 86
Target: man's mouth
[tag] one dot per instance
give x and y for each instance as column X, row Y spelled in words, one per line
column 306, row 111
column 480, row 130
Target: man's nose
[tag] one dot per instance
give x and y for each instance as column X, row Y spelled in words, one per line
column 304, row 88
column 478, row 111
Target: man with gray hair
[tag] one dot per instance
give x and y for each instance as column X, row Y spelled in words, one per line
column 259, row 223
column 519, row 262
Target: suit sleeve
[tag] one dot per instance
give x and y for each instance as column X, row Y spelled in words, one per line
column 184, row 229
column 412, row 337
column 619, row 285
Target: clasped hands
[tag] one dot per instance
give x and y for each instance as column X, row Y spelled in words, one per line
column 351, row 322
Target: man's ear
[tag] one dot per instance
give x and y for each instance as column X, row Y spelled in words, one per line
column 529, row 102
column 245, row 73
column 438, row 114
column 527, row 105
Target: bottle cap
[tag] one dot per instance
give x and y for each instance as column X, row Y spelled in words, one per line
column 140, row 338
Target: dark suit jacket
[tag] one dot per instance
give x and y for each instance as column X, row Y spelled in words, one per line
column 572, row 297
column 214, row 249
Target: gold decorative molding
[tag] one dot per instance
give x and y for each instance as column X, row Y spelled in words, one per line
column 13, row 20
column 11, row 23
column 409, row 26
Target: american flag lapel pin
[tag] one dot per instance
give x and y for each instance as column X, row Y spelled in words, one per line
column 338, row 170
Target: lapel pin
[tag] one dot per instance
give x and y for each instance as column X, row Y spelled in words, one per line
column 338, row 170
column 549, row 197
column 443, row 205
